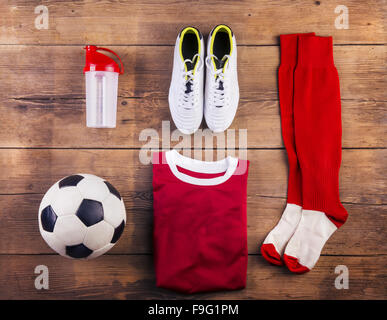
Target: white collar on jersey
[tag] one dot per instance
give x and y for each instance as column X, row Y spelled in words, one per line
column 227, row 165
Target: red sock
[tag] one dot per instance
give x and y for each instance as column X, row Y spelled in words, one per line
column 275, row 242
column 318, row 127
column 289, row 44
column 317, row 115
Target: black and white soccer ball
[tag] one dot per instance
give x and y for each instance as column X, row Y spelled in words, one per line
column 82, row 216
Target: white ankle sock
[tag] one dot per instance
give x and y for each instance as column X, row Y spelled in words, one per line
column 276, row 241
column 304, row 247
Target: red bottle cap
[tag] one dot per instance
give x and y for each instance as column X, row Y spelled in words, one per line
column 96, row 61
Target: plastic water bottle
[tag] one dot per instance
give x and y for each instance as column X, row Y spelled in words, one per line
column 101, row 74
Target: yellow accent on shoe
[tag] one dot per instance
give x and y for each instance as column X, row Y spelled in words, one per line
column 222, row 28
column 183, row 32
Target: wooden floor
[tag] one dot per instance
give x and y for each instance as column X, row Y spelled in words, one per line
column 43, row 137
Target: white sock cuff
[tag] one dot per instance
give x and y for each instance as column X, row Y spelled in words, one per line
column 285, row 228
column 312, row 233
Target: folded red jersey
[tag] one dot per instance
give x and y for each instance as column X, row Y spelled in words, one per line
column 200, row 229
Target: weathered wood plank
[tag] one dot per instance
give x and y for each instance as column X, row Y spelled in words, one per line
column 62, row 124
column 155, row 22
column 132, row 277
column 55, row 72
column 362, row 234
column 50, row 101
column 27, row 174
column 362, row 178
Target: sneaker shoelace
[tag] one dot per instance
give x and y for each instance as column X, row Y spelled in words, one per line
column 217, row 85
column 188, row 98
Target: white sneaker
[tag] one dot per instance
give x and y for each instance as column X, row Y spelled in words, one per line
column 222, row 89
column 186, row 90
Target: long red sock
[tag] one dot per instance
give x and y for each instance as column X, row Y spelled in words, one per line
column 317, row 116
column 275, row 242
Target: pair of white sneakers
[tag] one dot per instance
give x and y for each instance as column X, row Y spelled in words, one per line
column 219, row 103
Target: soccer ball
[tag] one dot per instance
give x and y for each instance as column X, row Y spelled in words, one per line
column 82, row 216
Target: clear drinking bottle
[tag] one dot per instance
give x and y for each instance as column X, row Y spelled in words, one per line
column 101, row 73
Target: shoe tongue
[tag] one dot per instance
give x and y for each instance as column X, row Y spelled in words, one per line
column 219, row 64
column 191, row 64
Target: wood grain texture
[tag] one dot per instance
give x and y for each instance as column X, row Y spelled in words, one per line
column 43, row 138
column 56, row 72
column 157, row 22
column 362, row 234
column 49, row 101
column 62, row 124
column 27, row 174
column 35, row 170
column 132, row 277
